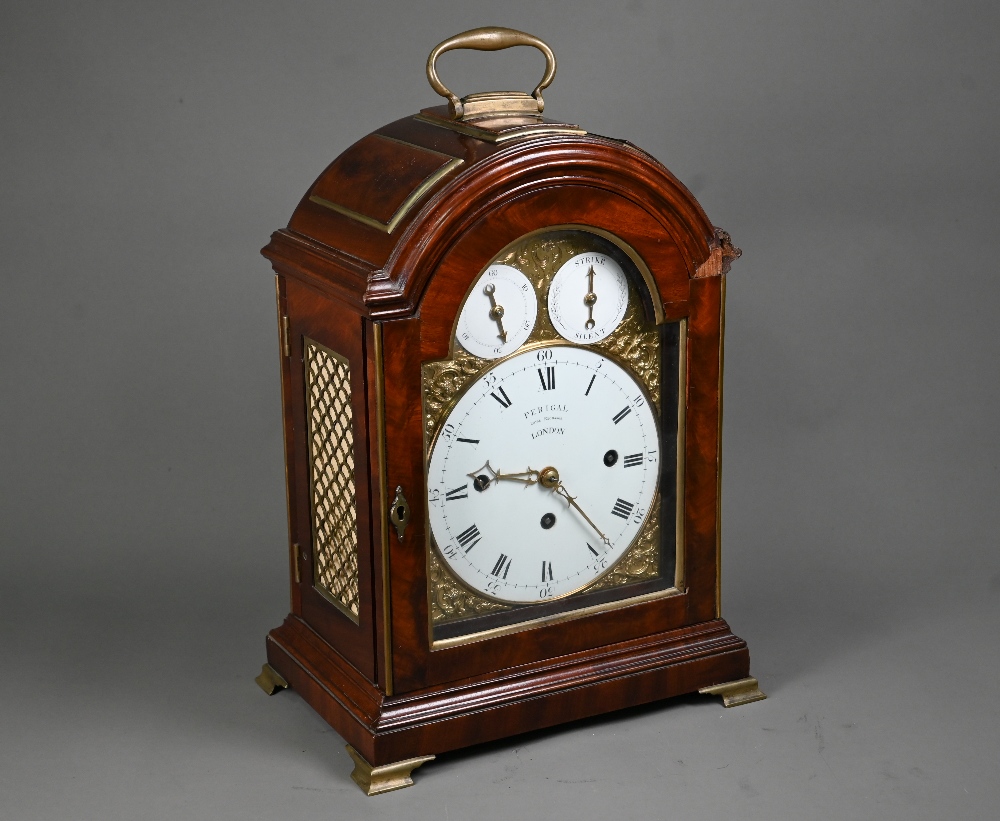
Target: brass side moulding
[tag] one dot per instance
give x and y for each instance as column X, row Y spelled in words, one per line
column 270, row 680
column 388, row 777
column 735, row 693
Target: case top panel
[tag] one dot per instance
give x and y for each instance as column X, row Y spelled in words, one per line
column 378, row 179
column 375, row 224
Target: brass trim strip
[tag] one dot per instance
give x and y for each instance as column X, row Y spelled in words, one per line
column 415, row 196
column 383, row 486
column 718, row 492
column 682, row 370
column 493, row 137
column 556, row 618
column 414, row 145
column 283, row 342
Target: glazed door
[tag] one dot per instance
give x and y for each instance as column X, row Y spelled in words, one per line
column 692, row 309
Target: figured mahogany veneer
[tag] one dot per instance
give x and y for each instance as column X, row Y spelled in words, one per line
column 347, row 284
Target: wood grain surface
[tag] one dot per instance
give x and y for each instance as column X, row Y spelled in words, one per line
column 381, row 683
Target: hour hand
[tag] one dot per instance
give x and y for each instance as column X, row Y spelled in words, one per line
column 486, row 475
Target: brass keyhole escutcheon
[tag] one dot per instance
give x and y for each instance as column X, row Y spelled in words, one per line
column 399, row 512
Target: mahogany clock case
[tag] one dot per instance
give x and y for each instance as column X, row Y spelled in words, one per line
column 383, row 293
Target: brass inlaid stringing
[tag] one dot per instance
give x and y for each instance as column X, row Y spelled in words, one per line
column 635, row 343
column 331, row 476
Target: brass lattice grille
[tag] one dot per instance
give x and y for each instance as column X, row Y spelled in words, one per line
column 331, row 466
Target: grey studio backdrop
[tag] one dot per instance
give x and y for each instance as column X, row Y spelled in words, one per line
column 148, row 150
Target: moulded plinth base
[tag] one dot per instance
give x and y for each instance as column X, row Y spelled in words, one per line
column 410, row 728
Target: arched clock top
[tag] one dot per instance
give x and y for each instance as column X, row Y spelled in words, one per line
column 381, row 218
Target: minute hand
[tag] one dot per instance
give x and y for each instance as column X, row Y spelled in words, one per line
column 561, row 490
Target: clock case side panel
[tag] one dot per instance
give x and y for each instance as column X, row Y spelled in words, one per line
column 581, row 195
column 322, row 322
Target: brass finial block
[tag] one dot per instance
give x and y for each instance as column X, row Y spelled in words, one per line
column 388, row 777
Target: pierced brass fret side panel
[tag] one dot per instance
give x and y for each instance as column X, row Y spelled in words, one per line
column 331, row 477
column 635, row 343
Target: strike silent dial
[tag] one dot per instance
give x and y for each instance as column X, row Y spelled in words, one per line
column 588, row 297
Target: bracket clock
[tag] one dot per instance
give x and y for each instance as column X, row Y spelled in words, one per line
column 501, row 342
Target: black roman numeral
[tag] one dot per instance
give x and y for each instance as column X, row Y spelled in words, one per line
column 501, row 567
column 548, row 379
column 458, row 493
column 466, row 537
column 546, row 572
column 633, row 460
column 590, row 385
column 622, row 509
column 622, row 414
column 590, row 547
column 470, row 441
column 503, row 399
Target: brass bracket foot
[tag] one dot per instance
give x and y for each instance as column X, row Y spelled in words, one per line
column 735, row 693
column 270, row 680
column 388, row 777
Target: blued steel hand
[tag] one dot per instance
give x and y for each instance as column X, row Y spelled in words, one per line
column 589, row 299
column 496, row 311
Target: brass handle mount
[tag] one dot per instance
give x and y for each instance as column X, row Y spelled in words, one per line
column 492, row 103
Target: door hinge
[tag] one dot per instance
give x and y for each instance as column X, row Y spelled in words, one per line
column 286, row 346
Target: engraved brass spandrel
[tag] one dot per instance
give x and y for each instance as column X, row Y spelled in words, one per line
column 634, row 343
column 642, row 560
column 451, row 601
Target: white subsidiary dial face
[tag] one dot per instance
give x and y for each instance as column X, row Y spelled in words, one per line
column 588, row 297
column 543, row 474
column 499, row 313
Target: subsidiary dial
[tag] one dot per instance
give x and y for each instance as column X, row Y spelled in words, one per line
column 499, row 313
column 588, row 297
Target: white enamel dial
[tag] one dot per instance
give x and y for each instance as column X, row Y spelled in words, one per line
column 543, row 474
column 499, row 313
column 588, row 297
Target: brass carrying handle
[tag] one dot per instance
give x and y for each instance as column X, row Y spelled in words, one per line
column 509, row 103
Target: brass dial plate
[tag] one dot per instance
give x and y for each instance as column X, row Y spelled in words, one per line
column 635, row 344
